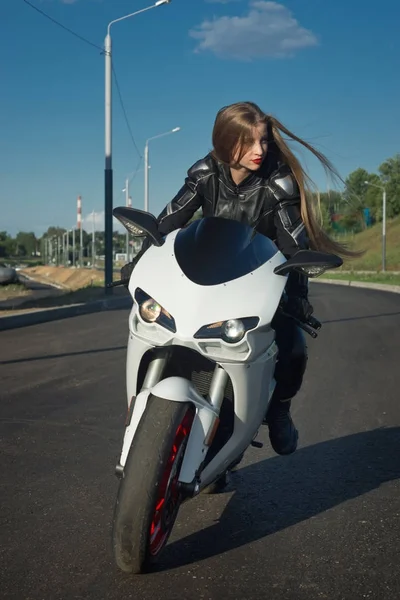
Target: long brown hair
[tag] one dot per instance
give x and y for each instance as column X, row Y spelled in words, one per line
column 233, row 132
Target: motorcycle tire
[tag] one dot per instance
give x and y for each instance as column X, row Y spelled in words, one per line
column 149, row 498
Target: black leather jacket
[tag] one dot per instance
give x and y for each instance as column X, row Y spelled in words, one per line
column 268, row 201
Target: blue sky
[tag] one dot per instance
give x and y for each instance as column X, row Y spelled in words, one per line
column 328, row 70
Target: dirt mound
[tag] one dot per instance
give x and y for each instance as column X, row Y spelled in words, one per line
column 67, row 278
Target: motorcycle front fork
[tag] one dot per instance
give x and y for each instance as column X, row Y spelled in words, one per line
column 156, row 370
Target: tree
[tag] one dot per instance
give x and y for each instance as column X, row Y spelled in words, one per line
column 353, row 220
column 356, row 188
column 26, row 243
column 326, row 217
column 7, row 244
column 359, row 196
column 54, row 231
column 390, row 177
column 333, row 201
column 373, row 199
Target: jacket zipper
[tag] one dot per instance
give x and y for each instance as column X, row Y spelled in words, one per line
column 237, row 190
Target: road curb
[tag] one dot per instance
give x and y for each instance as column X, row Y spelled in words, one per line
column 382, row 287
column 63, row 312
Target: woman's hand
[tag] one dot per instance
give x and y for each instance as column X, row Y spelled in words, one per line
column 299, row 307
column 126, row 271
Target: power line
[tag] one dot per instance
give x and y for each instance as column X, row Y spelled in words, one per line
column 102, row 50
column 63, row 26
column 131, row 177
column 125, row 113
column 136, row 170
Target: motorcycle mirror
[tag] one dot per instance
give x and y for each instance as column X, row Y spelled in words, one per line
column 139, row 223
column 310, row 263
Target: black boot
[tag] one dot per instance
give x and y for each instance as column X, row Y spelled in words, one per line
column 282, row 432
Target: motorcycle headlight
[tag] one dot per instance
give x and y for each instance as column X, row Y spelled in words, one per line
column 231, row 331
column 152, row 312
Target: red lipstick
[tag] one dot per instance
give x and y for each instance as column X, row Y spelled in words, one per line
column 257, row 161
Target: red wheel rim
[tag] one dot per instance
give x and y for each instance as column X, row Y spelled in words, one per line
column 169, row 496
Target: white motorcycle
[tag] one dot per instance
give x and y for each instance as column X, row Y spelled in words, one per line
column 200, row 367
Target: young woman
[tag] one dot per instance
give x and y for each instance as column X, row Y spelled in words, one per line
column 252, row 176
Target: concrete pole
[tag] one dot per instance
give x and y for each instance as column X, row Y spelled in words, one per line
column 108, row 172
column 127, row 204
column 73, row 247
column 93, row 241
column 384, row 231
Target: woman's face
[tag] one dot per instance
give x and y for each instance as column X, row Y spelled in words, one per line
column 256, row 153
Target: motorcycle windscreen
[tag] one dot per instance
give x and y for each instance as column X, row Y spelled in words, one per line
column 214, row 250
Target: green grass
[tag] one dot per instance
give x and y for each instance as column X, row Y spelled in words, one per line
column 370, row 241
column 30, row 262
column 13, row 290
column 386, row 278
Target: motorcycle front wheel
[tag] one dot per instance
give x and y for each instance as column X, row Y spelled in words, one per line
column 148, row 497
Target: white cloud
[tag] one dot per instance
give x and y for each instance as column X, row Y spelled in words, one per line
column 87, row 222
column 268, row 31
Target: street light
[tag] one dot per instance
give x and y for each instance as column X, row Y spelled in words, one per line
column 73, row 246
column 128, row 203
column 381, row 187
column 108, row 173
column 65, row 248
column 146, row 165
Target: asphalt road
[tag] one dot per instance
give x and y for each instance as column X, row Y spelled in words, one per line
column 322, row 523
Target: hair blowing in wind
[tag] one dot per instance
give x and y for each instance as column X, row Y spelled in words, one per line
column 233, row 129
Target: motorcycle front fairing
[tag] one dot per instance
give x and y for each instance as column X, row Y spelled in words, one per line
column 201, row 279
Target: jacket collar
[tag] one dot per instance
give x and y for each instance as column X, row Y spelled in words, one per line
column 225, row 172
column 262, row 174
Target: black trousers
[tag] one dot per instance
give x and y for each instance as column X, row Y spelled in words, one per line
column 292, row 358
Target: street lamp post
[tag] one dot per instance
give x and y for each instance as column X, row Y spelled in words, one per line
column 381, row 187
column 73, row 247
column 93, row 239
column 53, row 249
column 68, row 232
column 65, row 248
column 108, row 173
column 44, row 242
column 80, row 246
column 128, row 203
column 146, row 165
